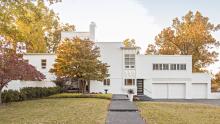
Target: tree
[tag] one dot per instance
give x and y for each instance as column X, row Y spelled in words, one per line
column 31, row 22
column 129, row 43
column 216, row 82
column 54, row 36
column 13, row 67
column 191, row 36
column 79, row 59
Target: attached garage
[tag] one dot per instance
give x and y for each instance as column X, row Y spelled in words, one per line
column 199, row 91
column 168, row 90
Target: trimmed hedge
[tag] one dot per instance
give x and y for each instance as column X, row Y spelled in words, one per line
column 79, row 95
column 28, row 93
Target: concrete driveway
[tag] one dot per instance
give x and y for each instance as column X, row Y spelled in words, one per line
column 197, row 101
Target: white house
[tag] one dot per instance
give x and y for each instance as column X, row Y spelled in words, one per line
column 157, row 76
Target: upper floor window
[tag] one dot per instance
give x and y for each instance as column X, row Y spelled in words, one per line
column 177, row 66
column 172, row 66
column 129, row 82
column 43, row 63
column 160, row 66
column 169, row 66
column 129, row 61
column 106, row 82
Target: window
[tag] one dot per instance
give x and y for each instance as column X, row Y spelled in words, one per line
column 165, row 66
column 43, row 63
column 129, row 61
column 160, row 66
column 172, row 66
column 169, row 66
column 26, row 60
column 155, row 67
column 182, row 66
column 106, row 82
column 129, row 82
column 177, row 66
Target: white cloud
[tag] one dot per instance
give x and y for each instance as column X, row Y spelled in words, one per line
column 116, row 19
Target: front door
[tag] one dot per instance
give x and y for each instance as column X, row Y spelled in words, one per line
column 140, row 86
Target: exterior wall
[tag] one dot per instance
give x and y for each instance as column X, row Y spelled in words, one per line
column 144, row 66
column 35, row 60
column 115, row 86
column 112, row 55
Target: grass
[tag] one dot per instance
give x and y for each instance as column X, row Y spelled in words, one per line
column 79, row 95
column 55, row 111
column 179, row 113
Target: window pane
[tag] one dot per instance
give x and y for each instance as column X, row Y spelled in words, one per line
column 183, row 67
column 129, row 82
column 160, row 66
column 132, row 56
column 43, row 63
column 126, row 55
column 165, row 66
column 177, row 66
column 173, row 67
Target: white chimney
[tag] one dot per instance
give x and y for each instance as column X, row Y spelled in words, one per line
column 92, row 31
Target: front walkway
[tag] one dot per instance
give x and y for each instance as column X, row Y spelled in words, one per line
column 122, row 111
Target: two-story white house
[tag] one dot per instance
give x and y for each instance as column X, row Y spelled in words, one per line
column 157, row 76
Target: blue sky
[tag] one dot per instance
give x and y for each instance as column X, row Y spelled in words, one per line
column 142, row 20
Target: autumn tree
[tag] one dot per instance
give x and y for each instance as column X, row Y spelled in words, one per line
column 54, row 36
column 190, row 36
column 31, row 22
column 13, row 67
column 79, row 59
column 129, row 42
column 216, row 82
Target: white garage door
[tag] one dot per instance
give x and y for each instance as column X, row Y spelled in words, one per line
column 169, row 91
column 160, row 91
column 176, row 91
column 199, row 91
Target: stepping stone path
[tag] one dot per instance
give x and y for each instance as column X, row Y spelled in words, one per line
column 122, row 111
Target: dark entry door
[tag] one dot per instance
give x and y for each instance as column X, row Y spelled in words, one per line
column 140, row 86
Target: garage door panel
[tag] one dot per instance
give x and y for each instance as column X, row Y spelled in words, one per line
column 160, row 91
column 176, row 91
column 199, row 91
column 168, row 90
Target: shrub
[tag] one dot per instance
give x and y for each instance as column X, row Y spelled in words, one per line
column 79, row 95
column 28, row 93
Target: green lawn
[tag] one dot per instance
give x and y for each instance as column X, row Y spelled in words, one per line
column 179, row 113
column 55, row 111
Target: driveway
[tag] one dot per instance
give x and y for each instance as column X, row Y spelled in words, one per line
column 197, row 101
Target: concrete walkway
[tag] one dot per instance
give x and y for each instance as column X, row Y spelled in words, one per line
column 122, row 111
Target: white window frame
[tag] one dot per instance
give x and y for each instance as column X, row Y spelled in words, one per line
column 129, row 61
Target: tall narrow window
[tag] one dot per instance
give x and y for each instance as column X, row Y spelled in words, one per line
column 43, row 63
column 129, row 60
column 106, row 82
column 129, row 82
